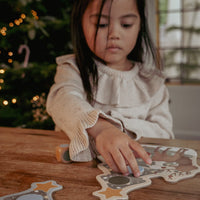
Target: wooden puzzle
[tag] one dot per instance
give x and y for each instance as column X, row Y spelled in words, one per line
column 38, row 191
column 62, row 153
column 171, row 163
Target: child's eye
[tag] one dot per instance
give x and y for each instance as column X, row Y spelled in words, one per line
column 126, row 25
column 102, row 25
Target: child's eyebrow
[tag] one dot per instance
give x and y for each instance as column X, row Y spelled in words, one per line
column 98, row 15
column 107, row 16
column 129, row 16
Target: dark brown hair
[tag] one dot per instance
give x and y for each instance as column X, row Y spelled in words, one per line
column 85, row 57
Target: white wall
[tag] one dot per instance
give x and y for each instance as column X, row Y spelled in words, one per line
column 185, row 109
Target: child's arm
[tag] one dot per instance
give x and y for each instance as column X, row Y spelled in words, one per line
column 68, row 107
column 117, row 148
column 158, row 122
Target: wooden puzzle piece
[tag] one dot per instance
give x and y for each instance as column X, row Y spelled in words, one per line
column 62, row 153
column 38, row 191
column 171, row 163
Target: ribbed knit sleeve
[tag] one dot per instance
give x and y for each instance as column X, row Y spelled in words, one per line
column 70, row 111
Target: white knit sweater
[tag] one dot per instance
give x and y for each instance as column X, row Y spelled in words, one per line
column 129, row 100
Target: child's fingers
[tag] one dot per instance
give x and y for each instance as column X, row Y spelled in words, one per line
column 136, row 154
column 129, row 156
column 110, row 162
column 136, row 147
column 120, row 161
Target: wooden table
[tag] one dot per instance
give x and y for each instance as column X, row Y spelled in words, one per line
column 28, row 156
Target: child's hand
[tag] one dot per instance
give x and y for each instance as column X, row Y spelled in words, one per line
column 117, row 148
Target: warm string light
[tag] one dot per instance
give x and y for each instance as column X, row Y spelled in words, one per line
column 2, row 71
column 17, row 22
column 14, row 100
column 36, row 98
column 10, row 60
column 6, row 102
column 10, row 53
column 34, row 13
column 3, row 32
column 38, row 102
column 11, row 24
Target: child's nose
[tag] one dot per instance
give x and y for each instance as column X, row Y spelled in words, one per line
column 113, row 32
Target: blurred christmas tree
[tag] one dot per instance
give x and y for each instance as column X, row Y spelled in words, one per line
column 32, row 34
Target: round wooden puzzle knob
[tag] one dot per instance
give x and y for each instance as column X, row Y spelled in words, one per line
column 62, row 153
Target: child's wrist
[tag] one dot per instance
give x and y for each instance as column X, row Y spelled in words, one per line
column 99, row 127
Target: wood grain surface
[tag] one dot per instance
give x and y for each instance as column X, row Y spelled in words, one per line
column 28, row 155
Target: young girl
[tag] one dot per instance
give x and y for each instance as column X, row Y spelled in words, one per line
column 105, row 97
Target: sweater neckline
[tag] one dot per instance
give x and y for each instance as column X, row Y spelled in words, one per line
column 117, row 73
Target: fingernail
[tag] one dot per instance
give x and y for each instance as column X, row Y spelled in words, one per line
column 149, row 161
column 126, row 174
column 137, row 174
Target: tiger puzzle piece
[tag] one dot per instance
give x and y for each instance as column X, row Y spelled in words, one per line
column 171, row 163
column 38, row 191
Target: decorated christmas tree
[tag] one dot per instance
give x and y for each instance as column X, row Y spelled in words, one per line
column 32, row 34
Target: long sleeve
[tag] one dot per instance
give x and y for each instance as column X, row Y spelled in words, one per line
column 158, row 122
column 70, row 111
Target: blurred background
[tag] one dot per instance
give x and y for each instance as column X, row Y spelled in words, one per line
column 34, row 32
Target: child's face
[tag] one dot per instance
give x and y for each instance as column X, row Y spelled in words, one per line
column 117, row 32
